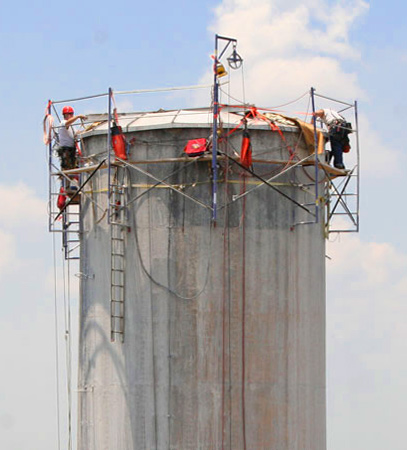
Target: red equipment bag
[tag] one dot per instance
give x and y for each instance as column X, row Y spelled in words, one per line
column 246, row 150
column 118, row 142
column 61, row 198
column 346, row 145
column 195, row 147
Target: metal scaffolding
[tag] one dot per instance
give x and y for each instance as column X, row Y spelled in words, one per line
column 339, row 197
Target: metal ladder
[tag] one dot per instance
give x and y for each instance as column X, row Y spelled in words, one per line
column 118, row 231
column 68, row 223
column 71, row 231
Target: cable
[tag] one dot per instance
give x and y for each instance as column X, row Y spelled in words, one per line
column 243, row 392
column 167, row 288
column 243, row 84
column 69, row 358
column 67, row 345
column 152, row 341
column 291, row 102
column 175, row 88
column 56, row 342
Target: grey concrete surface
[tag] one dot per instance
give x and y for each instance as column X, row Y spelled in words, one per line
column 224, row 325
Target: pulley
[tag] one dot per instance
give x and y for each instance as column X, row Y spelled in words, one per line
column 235, row 61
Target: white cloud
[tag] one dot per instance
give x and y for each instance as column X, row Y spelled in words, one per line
column 124, row 105
column 378, row 159
column 21, row 207
column 365, row 265
column 8, row 252
column 366, row 336
column 289, row 28
column 288, row 47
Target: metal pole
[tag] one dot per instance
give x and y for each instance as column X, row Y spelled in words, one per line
column 358, row 164
column 109, row 150
column 215, row 133
column 333, row 100
column 314, row 120
column 49, row 175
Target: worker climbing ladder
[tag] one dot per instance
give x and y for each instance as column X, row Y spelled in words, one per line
column 118, row 231
column 65, row 211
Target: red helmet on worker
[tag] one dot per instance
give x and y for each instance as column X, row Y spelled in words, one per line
column 67, row 110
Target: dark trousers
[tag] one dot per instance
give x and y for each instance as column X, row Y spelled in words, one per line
column 337, row 149
column 68, row 157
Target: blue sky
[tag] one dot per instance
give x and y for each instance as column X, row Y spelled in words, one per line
column 349, row 49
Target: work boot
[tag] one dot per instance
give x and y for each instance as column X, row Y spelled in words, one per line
column 339, row 166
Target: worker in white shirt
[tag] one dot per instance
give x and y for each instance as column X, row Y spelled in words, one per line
column 66, row 149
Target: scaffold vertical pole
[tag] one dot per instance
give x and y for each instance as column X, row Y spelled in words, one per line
column 358, row 165
column 215, row 133
column 50, row 199
column 109, row 149
column 314, row 121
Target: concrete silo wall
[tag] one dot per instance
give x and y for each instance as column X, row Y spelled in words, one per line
column 224, row 325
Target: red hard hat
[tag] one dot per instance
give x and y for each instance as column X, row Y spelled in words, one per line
column 67, row 110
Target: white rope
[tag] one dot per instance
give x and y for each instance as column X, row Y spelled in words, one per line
column 69, row 360
column 67, row 345
column 175, row 88
column 243, row 84
column 56, row 342
column 69, row 100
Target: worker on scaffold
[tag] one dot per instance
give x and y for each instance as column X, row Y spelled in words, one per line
column 338, row 134
column 66, row 149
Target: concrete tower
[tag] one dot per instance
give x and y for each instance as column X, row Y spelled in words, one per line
column 195, row 334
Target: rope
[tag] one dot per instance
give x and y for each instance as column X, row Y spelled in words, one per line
column 243, row 393
column 198, row 202
column 153, row 341
column 292, row 101
column 56, row 343
column 167, row 288
column 67, row 346
column 69, row 360
column 225, row 277
column 243, row 84
column 77, row 99
column 225, row 266
column 175, row 88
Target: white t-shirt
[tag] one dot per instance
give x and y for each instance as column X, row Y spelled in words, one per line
column 331, row 117
column 66, row 136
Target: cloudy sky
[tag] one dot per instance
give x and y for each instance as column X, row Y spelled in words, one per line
column 347, row 49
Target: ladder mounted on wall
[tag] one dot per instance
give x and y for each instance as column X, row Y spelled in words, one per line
column 119, row 226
